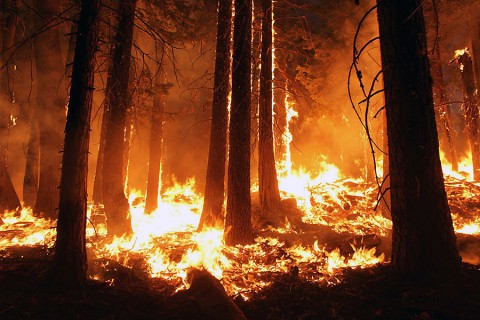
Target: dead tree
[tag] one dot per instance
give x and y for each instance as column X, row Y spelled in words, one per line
column 50, row 59
column 156, row 136
column 470, row 108
column 443, row 115
column 212, row 213
column 118, row 101
column 69, row 268
column 423, row 240
column 267, row 173
column 8, row 23
column 238, row 225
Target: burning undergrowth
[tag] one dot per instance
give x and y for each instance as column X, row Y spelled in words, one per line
column 331, row 226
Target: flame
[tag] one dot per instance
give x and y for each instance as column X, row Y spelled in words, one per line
column 465, row 167
column 166, row 245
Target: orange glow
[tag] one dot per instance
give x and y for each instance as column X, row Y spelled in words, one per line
column 168, row 245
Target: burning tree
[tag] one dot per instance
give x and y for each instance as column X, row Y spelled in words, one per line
column 442, row 112
column 238, row 225
column 212, row 213
column 118, row 101
column 268, row 183
column 470, row 107
column 70, row 261
column 423, row 236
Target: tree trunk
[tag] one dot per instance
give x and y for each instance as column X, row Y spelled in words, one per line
column 30, row 180
column 470, row 110
column 447, row 134
column 69, row 268
column 238, row 225
column 474, row 21
column 118, row 100
column 8, row 23
column 156, row 138
column 97, row 196
column 127, row 142
column 279, row 108
column 51, row 101
column 385, row 203
column 267, row 173
column 212, row 213
column 423, row 238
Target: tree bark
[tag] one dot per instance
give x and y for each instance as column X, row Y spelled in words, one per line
column 97, row 196
column 8, row 23
column 423, row 237
column 127, row 141
column 470, row 110
column 118, row 100
column 212, row 213
column 443, row 115
column 474, row 21
column 267, row 173
column 156, row 138
column 69, row 268
column 30, row 180
column 279, row 108
column 51, row 101
column 238, row 225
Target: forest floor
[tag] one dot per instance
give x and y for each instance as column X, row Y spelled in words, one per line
column 372, row 293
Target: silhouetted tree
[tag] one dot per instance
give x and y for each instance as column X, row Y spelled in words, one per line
column 423, row 236
column 212, row 213
column 470, row 109
column 156, row 135
column 267, row 174
column 8, row 23
column 70, row 261
column 238, row 225
column 446, row 132
column 118, row 101
column 30, row 179
column 50, row 57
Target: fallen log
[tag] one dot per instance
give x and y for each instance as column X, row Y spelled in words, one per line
column 210, row 295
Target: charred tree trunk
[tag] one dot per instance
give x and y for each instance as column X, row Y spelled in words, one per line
column 8, row 23
column 30, row 180
column 267, row 173
column 97, row 196
column 423, row 238
column 127, row 141
column 118, row 100
column 212, row 213
column 51, row 101
column 238, row 225
column 446, row 132
column 470, row 110
column 279, row 108
column 70, row 261
column 156, row 139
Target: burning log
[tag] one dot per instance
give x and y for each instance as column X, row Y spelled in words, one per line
column 210, row 295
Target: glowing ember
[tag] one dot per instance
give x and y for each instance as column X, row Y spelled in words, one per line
column 165, row 244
